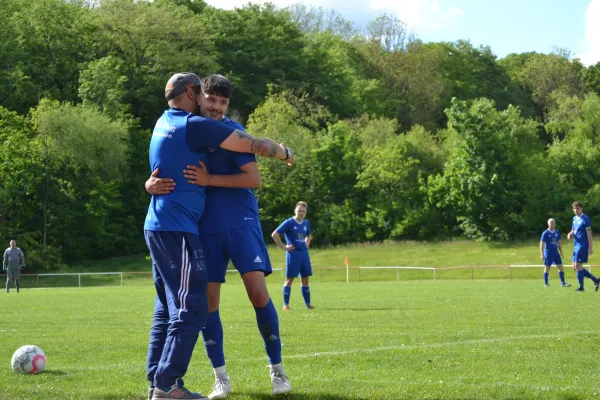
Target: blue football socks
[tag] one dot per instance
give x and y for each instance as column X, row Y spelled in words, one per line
column 213, row 339
column 268, row 325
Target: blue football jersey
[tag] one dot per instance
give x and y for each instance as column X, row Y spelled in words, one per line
column 180, row 138
column 229, row 208
column 295, row 233
column 580, row 227
column 550, row 240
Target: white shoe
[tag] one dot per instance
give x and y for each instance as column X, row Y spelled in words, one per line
column 280, row 381
column 221, row 389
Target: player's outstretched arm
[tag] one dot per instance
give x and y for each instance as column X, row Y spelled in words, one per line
column 249, row 177
column 155, row 185
column 243, row 142
column 541, row 249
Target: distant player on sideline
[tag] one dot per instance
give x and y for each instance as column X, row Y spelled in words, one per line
column 551, row 252
column 582, row 232
column 181, row 138
column 230, row 230
column 13, row 261
column 298, row 236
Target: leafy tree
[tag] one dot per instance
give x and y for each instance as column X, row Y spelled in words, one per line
column 259, row 49
column 575, row 125
column 393, row 167
column 544, row 75
column 481, row 182
column 83, row 153
column 146, row 44
column 390, row 33
column 104, row 84
column 337, row 82
column 196, row 6
column 318, row 20
column 337, row 160
column 43, row 43
column 592, row 78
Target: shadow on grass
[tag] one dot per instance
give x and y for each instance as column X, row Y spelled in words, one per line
column 55, row 372
column 122, row 396
column 365, row 309
column 300, row 396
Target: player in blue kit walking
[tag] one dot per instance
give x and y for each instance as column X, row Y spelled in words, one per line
column 181, row 138
column 582, row 232
column 551, row 252
column 230, row 230
column 298, row 236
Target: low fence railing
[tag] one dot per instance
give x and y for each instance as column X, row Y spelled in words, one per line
column 374, row 273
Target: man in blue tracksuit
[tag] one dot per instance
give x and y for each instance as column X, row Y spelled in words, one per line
column 182, row 138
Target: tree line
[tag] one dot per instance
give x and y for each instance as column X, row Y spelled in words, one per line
column 395, row 138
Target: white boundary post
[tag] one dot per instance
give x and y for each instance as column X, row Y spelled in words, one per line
column 348, row 272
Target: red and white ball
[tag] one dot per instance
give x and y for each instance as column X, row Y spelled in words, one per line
column 28, row 359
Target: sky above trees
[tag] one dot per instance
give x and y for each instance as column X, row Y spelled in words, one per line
column 510, row 26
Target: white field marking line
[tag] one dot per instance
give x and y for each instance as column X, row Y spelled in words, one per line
column 427, row 346
column 369, row 350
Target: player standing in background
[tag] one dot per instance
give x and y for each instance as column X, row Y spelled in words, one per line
column 298, row 236
column 181, row 138
column 13, row 261
column 230, row 230
column 551, row 252
column 582, row 232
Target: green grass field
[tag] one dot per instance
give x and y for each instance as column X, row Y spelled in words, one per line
column 425, row 254
column 449, row 339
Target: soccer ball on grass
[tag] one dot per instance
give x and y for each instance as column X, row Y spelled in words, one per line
column 28, row 359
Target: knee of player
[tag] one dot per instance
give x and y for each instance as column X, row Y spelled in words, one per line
column 259, row 297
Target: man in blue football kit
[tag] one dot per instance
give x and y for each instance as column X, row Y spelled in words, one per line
column 298, row 236
column 181, row 138
column 582, row 232
column 230, row 230
column 551, row 252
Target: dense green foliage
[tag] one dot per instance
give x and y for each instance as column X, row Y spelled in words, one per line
column 396, row 138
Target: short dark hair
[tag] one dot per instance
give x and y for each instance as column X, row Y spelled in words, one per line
column 217, row 85
column 301, row 204
column 577, row 204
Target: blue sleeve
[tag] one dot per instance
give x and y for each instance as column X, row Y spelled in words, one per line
column 283, row 227
column 543, row 238
column 557, row 231
column 588, row 222
column 242, row 159
column 206, row 133
column 236, row 125
column 307, row 228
